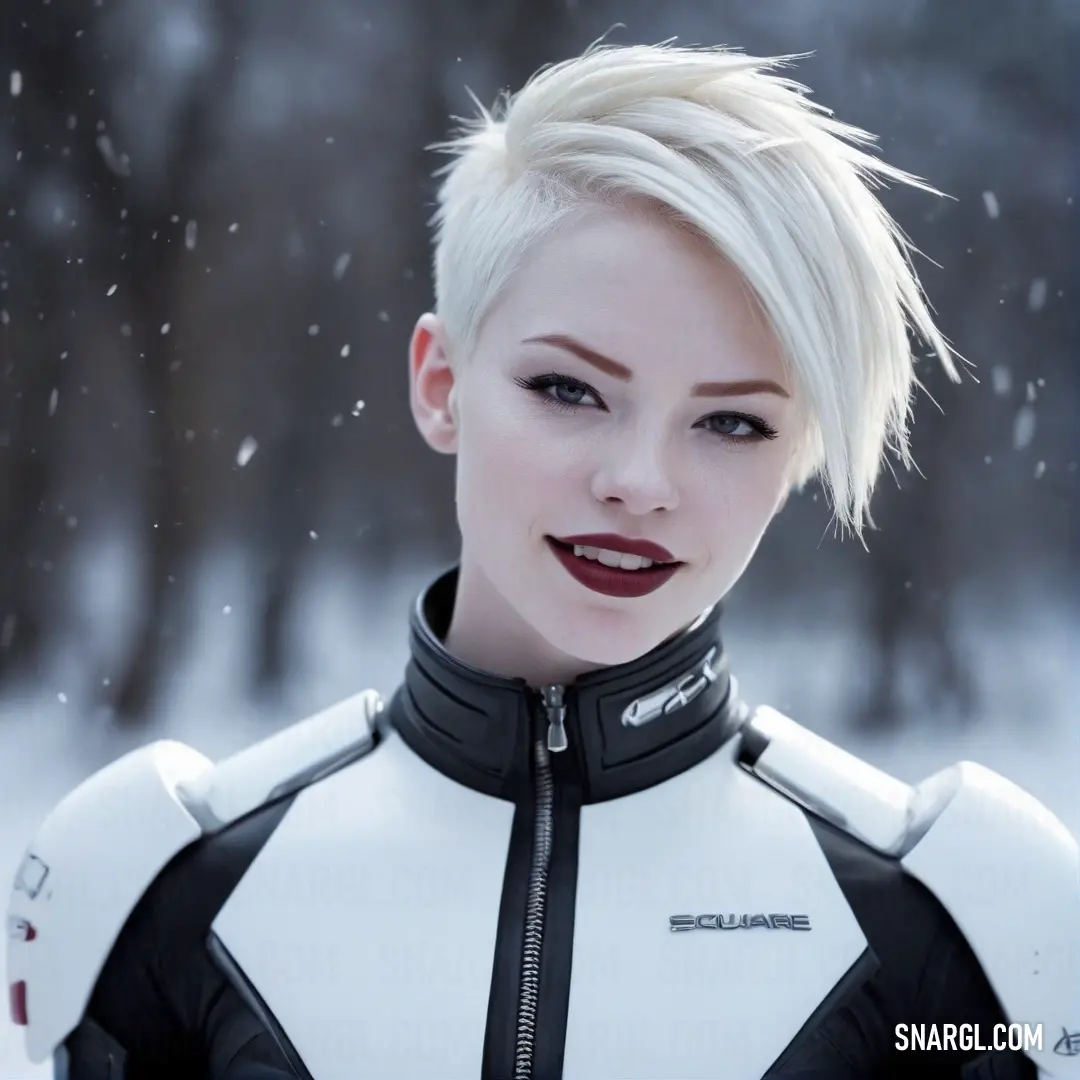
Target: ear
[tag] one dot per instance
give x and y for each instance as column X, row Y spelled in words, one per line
column 432, row 386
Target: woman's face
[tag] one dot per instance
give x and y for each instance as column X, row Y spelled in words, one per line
column 625, row 383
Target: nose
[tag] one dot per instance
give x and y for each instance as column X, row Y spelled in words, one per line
column 635, row 474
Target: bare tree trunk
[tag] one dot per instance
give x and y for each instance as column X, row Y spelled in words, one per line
column 912, row 587
column 159, row 236
column 295, row 448
column 37, row 333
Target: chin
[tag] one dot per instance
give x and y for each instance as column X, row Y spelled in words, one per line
column 603, row 639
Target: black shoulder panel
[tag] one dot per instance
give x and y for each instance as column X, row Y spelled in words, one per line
column 161, row 1009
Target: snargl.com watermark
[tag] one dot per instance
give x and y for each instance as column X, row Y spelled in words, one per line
column 968, row 1037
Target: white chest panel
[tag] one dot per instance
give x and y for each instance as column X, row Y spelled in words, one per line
column 368, row 925
column 368, row 921
column 646, row 1002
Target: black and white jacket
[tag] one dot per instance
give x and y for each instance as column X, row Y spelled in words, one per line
column 630, row 877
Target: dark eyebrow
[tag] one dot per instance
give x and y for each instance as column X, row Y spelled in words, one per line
column 737, row 388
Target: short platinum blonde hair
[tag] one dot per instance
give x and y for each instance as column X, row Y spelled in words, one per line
column 718, row 142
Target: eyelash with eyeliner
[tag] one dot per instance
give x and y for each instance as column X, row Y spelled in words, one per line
column 538, row 384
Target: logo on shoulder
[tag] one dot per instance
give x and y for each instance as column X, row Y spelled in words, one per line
column 31, row 876
column 738, row 922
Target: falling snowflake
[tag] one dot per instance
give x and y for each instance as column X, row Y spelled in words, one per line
column 341, row 264
column 1023, row 427
column 16, row 83
column 990, row 201
column 119, row 164
column 1037, row 294
column 246, row 451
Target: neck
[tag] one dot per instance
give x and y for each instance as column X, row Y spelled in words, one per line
column 624, row 727
column 486, row 633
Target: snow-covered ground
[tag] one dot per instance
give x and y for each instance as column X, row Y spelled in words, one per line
column 353, row 635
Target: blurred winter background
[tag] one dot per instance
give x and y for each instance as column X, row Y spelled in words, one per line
column 213, row 505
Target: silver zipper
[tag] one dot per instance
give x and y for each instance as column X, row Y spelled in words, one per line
column 543, row 830
column 556, row 715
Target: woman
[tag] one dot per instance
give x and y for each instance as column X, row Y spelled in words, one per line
column 665, row 296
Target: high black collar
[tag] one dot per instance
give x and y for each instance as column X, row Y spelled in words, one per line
column 480, row 728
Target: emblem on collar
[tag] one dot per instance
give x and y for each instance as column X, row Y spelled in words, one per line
column 673, row 696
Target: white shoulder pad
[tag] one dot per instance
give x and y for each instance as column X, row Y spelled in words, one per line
column 105, row 843
column 293, row 758
column 1008, row 872
column 836, row 786
column 85, row 870
column 1004, row 867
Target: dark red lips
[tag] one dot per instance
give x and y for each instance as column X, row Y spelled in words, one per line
column 645, row 548
column 609, row 580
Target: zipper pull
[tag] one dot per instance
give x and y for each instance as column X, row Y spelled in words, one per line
column 556, row 717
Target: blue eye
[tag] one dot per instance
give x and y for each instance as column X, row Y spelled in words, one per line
column 740, row 427
column 560, row 390
column 567, row 393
